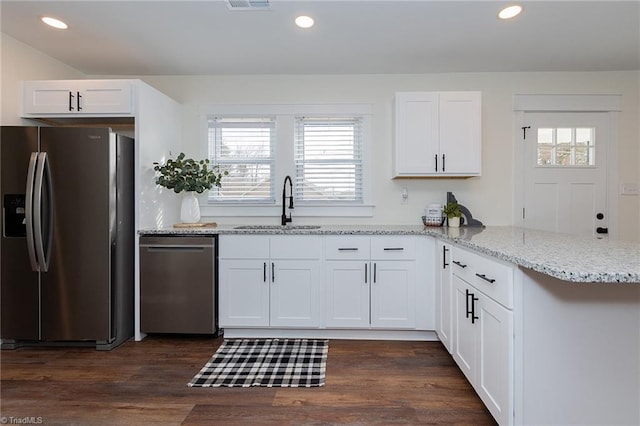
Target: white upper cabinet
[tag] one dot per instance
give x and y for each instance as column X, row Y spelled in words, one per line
column 77, row 97
column 438, row 134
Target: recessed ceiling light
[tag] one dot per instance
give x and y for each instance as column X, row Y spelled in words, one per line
column 55, row 23
column 304, row 21
column 510, row 12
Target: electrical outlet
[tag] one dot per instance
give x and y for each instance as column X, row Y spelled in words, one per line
column 629, row 188
column 405, row 195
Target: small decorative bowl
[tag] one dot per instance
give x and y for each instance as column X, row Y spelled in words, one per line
column 433, row 221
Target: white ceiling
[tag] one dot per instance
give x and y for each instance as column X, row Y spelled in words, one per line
column 350, row 36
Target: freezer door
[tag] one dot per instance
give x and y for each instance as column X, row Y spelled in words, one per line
column 19, row 287
column 76, row 289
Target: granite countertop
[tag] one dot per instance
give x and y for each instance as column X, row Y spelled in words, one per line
column 563, row 256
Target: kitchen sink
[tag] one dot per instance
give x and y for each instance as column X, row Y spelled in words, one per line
column 283, row 227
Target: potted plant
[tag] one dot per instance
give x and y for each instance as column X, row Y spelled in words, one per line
column 453, row 213
column 188, row 176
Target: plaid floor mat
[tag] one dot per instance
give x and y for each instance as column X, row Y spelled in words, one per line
column 265, row 362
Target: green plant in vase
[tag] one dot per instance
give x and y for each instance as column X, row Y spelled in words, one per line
column 453, row 213
column 188, row 176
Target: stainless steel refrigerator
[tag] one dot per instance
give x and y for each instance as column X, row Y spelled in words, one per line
column 67, row 252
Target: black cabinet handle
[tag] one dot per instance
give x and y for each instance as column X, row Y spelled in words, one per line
column 466, row 302
column 436, row 156
column 473, row 309
column 70, row 101
column 460, row 264
column 393, row 249
column 273, row 273
column 443, row 162
column 600, row 230
column 444, row 257
column 264, row 272
column 366, row 279
column 78, row 100
column 347, row 249
column 484, row 277
column 375, row 272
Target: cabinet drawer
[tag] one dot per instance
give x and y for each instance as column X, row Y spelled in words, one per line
column 243, row 247
column 345, row 248
column 495, row 280
column 393, row 248
column 463, row 263
column 296, row 247
column 487, row 275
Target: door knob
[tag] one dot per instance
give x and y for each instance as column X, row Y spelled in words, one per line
column 599, row 216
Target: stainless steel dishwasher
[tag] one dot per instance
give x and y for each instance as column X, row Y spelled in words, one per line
column 178, row 287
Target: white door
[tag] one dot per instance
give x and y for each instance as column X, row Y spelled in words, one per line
column 565, row 171
column 464, row 346
column 243, row 293
column 495, row 357
column 295, row 291
column 393, row 294
column 346, row 293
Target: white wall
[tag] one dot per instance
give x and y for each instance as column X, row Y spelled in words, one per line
column 489, row 197
column 19, row 61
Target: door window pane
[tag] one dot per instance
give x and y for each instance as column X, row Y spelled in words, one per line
column 566, row 146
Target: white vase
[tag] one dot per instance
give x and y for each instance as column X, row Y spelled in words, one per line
column 190, row 208
column 454, row 222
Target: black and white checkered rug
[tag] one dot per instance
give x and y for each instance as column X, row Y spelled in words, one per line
column 265, row 362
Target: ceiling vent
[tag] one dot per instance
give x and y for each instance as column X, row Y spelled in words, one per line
column 248, row 4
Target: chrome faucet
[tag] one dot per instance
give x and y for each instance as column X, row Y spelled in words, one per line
column 284, row 218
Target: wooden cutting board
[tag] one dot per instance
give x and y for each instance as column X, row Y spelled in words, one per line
column 196, row 225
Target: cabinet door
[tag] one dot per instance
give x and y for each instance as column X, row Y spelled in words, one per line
column 243, row 293
column 106, row 97
column 73, row 97
column 295, row 293
column 460, row 133
column 495, row 357
column 464, row 347
column 393, row 292
column 346, row 293
column 444, row 296
column 417, row 130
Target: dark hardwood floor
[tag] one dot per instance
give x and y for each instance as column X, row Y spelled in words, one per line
column 367, row 383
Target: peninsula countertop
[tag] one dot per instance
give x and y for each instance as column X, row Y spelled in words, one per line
column 563, row 256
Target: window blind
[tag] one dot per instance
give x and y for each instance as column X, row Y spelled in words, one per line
column 244, row 147
column 328, row 159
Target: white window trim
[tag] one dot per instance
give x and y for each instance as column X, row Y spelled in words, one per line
column 284, row 164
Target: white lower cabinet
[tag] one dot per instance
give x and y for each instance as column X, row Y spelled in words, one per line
column 330, row 282
column 268, row 281
column 483, row 330
column 243, row 293
column 393, row 289
column 370, row 282
column 444, row 295
column 346, row 294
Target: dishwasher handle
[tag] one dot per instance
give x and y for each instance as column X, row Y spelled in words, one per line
column 176, row 248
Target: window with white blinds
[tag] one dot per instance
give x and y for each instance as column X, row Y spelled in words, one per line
column 245, row 148
column 328, row 160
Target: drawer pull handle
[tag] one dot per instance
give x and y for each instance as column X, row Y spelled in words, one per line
column 484, row 277
column 347, row 249
column 393, row 249
column 460, row 264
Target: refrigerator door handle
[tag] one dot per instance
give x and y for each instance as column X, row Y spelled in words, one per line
column 43, row 176
column 28, row 211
